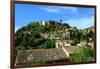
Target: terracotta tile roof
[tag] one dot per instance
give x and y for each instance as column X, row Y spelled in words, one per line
column 46, row 55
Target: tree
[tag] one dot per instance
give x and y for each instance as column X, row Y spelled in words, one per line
column 61, row 21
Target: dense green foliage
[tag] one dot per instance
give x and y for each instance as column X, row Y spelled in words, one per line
column 86, row 54
column 28, row 37
column 48, row 44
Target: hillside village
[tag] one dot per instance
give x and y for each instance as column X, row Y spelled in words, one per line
column 63, row 36
column 53, row 42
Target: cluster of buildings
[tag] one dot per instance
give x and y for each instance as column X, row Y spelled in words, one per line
column 63, row 50
column 58, row 35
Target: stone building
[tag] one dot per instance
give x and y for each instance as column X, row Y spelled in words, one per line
column 46, row 55
column 61, row 43
column 42, row 23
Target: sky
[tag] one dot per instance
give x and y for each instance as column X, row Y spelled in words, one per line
column 75, row 16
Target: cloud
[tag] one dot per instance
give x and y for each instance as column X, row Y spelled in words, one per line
column 56, row 9
column 70, row 9
column 51, row 10
column 81, row 23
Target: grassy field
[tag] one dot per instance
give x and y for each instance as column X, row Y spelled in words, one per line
column 86, row 54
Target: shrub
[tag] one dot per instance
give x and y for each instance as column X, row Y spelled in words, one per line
column 39, row 61
column 85, row 55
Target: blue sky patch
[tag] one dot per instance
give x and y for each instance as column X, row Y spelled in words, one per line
column 75, row 16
